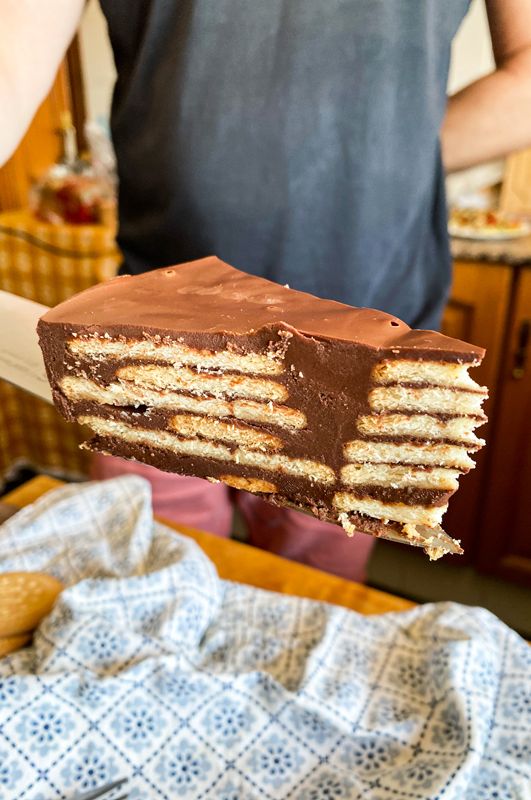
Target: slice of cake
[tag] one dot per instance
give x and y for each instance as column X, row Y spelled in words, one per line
column 341, row 412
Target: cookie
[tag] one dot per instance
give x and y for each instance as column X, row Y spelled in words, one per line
column 25, row 598
column 11, row 643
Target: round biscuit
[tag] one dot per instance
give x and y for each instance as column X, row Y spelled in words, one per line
column 25, row 598
column 11, row 643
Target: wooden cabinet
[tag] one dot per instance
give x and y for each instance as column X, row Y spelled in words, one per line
column 504, row 540
column 490, row 305
column 477, row 312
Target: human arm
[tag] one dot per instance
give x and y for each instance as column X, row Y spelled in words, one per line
column 34, row 36
column 492, row 116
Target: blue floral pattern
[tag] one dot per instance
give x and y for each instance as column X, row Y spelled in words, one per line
column 492, row 784
column 328, row 785
column 184, row 770
column 369, row 755
column 44, row 727
column 152, row 668
column 423, row 776
column 517, row 746
column 516, row 702
column 92, row 766
column 394, row 714
column 138, row 724
column 228, row 720
column 275, row 760
column 312, row 726
column 89, row 693
column 10, row 771
column 231, row 790
column 410, row 674
column 181, row 690
column 11, row 689
column 100, row 645
column 449, row 727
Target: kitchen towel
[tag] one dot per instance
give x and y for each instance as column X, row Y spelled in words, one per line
column 150, row 667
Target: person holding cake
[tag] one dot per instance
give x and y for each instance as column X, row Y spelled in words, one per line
column 304, row 143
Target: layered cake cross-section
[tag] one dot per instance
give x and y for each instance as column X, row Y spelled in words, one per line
column 341, row 412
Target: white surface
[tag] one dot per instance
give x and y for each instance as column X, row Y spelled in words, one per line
column 486, row 235
column 472, row 56
column 20, row 355
column 99, row 73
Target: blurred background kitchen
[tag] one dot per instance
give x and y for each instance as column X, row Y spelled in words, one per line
column 57, row 229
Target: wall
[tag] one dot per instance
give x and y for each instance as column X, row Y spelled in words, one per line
column 97, row 62
column 471, row 51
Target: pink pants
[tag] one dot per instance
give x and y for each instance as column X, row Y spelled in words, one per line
column 205, row 506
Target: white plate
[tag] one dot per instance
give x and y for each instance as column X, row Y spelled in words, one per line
column 484, row 235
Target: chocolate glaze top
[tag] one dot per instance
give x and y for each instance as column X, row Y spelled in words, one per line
column 210, row 296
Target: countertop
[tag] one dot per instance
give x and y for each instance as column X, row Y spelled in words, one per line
column 515, row 252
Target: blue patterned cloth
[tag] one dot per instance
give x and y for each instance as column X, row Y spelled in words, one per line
column 153, row 668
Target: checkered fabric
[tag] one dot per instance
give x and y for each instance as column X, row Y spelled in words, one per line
column 152, row 668
column 48, row 264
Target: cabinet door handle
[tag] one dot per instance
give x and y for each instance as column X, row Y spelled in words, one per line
column 520, row 356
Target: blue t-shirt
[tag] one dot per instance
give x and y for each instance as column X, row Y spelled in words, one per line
column 295, row 139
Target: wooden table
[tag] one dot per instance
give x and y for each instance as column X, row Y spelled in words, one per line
column 241, row 562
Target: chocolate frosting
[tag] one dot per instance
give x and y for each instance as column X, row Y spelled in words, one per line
column 209, row 296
